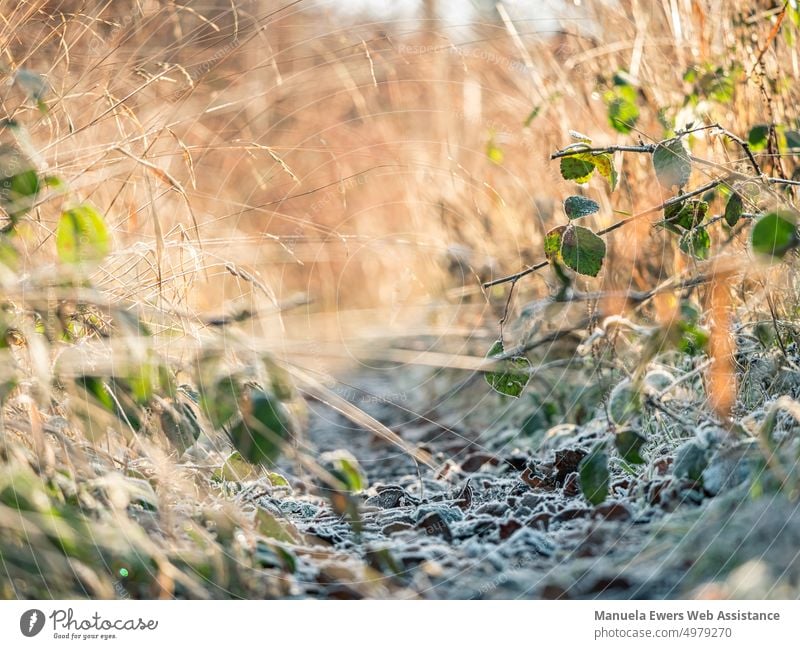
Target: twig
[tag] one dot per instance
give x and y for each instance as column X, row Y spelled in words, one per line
column 675, row 200
column 714, row 220
column 549, row 338
column 516, row 276
column 745, row 147
column 571, row 151
column 783, row 181
column 505, row 310
column 658, row 405
column 721, row 130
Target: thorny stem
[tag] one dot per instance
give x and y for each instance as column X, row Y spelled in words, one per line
column 776, row 28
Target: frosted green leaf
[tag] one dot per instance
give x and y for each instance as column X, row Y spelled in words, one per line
column 582, row 250
column 580, row 137
column 691, row 459
column 552, row 243
column 696, row 243
column 577, row 207
column 512, row 379
column 594, row 475
column 734, row 209
column 672, row 165
column 629, row 445
column 573, row 168
column 624, row 402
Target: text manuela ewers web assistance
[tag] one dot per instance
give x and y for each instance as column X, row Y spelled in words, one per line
column 728, row 616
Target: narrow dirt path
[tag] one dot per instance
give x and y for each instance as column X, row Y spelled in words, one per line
column 506, row 525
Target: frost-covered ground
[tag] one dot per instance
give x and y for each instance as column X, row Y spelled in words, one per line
column 506, row 520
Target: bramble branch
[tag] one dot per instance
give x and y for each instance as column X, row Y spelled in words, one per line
column 675, row 200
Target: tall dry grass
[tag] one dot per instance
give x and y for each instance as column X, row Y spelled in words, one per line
column 344, row 159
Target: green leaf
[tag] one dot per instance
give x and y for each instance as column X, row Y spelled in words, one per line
column 56, row 183
column 605, row 167
column 757, row 137
column 235, row 469
column 580, row 164
column 273, row 555
column 82, row 235
column 264, row 428
column 343, row 466
column 622, row 109
column 19, row 182
column 97, row 388
column 691, row 459
column 114, row 396
column 577, row 207
column 629, row 444
column 582, row 250
column 693, row 338
column 734, row 209
column 622, row 115
column 792, row 142
column 718, row 85
column 9, row 257
column 220, row 401
column 775, row 234
column 512, row 379
column 273, row 527
column 687, row 214
column 671, row 162
column 143, row 381
column 594, row 475
column 624, row 402
column 573, row 168
column 696, row 243
column 552, row 243
column 277, row 480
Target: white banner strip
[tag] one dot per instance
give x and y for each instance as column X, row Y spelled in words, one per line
column 330, row 625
